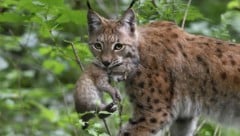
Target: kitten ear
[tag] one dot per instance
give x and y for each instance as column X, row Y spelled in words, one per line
column 94, row 21
column 128, row 20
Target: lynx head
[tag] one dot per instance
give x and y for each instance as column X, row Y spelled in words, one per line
column 113, row 42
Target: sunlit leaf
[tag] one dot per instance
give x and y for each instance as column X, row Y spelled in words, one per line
column 45, row 50
column 49, row 2
column 49, row 114
column 233, row 4
column 74, row 16
column 12, row 18
column 54, row 66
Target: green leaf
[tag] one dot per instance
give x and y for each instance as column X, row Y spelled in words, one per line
column 8, row 3
column 54, row 66
column 54, row 3
column 45, row 31
column 9, row 95
column 83, row 50
column 28, row 5
column 12, row 17
column 46, row 113
column 103, row 134
column 234, row 4
column 73, row 16
column 93, row 132
column 13, row 75
column 45, row 50
column 10, row 43
column 51, row 115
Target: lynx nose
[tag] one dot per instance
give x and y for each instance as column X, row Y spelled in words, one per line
column 106, row 63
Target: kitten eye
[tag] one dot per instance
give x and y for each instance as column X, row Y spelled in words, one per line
column 97, row 46
column 118, row 46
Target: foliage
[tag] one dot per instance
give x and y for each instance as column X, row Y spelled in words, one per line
column 166, row 10
column 38, row 68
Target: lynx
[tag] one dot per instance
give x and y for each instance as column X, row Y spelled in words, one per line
column 89, row 90
column 174, row 77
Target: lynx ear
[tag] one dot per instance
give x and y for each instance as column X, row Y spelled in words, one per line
column 94, row 21
column 128, row 20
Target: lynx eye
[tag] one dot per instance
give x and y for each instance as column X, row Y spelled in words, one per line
column 118, row 46
column 97, row 46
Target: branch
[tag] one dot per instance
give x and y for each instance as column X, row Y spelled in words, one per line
column 75, row 54
column 216, row 131
column 106, row 126
column 154, row 3
column 116, row 7
column 199, row 127
column 120, row 107
column 186, row 13
column 104, row 8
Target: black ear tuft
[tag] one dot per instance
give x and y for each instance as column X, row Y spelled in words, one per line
column 132, row 3
column 88, row 5
column 128, row 20
column 94, row 21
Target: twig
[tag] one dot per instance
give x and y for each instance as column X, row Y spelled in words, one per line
column 219, row 132
column 103, row 7
column 199, row 127
column 155, row 6
column 132, row 3
column 120, row 107
column 106, row 126
column 154, row 3
column 186, row 13
column 116, row 7
column 216, row 131
column 75, row 54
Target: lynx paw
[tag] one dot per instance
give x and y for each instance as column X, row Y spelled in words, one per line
column 111, row 107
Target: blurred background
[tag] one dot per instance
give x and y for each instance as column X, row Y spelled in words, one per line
column 38, row 68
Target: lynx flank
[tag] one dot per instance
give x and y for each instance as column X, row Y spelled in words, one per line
column 179, row 76
column 89, row 89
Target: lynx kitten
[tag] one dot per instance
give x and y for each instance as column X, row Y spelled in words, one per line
column 89, row 90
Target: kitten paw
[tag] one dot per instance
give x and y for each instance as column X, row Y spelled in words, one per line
column 111, row 107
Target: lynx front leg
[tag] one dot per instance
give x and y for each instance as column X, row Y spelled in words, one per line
column 135, row 130
column 184, row 126
column 146, row 123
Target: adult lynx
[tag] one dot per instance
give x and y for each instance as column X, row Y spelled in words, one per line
column 176, row 76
